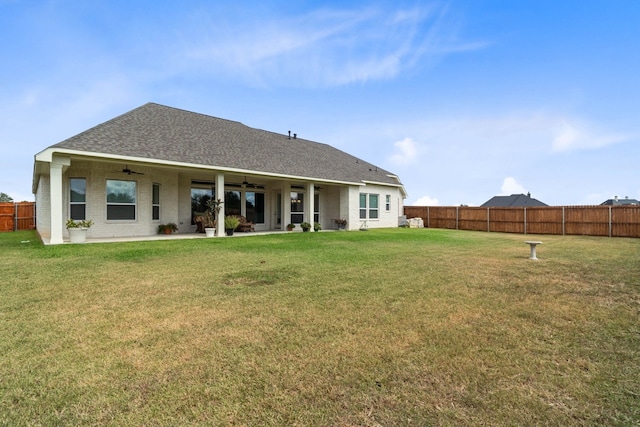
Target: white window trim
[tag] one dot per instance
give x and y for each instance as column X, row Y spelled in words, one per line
column 153, row 205
column 71, row 203
column 302, row 202
column 367, row 208
column 377, row 210
column 135, row 204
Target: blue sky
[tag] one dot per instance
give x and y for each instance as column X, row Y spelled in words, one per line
column 464, row 100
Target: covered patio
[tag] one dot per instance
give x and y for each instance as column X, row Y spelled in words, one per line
column 179, row 236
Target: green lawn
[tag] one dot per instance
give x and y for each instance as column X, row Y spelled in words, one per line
column 385, row 327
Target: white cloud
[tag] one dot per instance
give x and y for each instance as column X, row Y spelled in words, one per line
column 511, row 186
column 324, row 47
column 566, row 136
column 426, row 201
column 579, row 136
column 467, row 157
column 406, row 151
column 525, row 133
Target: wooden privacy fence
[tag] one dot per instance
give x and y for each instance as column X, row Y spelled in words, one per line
column 612, row 221
column 17, row 216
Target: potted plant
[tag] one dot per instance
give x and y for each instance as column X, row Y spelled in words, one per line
column 78, row 230
column 305, row 226
column 341, row 223
column 167, row 228
column 290, row 227
column 213, row 209
column 230, row 224
column 317, row 227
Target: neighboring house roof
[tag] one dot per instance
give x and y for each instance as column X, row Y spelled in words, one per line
column 514, row 200
column 625, row 201
column 164, row 134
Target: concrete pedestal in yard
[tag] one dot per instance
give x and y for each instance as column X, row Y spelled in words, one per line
column 533, row 244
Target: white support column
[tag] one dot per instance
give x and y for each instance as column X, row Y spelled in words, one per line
column 55, row 197
column 220, row 195
column 286, row 202
column 310, row 202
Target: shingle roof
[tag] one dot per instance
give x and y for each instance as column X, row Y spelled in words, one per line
column 617, row 201
column 514, row 200
column 154, row 131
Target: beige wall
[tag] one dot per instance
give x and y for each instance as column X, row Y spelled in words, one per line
column 43, row 207
column 175, row 200
column 386, row 218
column 97, row 174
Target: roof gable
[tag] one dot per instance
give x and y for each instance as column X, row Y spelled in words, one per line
column 160, row 133
column 514, row 200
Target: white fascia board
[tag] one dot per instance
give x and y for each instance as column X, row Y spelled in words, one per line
column 402, row 189
column 385, row 184
column 399, row 185
column 34, row 179
column 47, row 156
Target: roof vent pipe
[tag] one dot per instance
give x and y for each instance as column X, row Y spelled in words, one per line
column 289, row 134
column 295, row 135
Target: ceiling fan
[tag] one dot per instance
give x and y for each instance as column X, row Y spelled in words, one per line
column 129, row 171
column 246, row 184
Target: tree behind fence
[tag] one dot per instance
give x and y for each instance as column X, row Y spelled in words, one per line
column 17, row 216
column 612, row 221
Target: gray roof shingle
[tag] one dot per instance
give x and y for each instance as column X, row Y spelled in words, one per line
column 616, row 201
column 154, row 131
column 514, row 200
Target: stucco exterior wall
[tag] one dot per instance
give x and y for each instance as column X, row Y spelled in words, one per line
column 97, row 174
column 184, row 204
column 386, row 218
column 330, row 207
column 335, row 201
column 43, row 207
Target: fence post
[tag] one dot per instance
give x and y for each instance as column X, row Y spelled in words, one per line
column 457, row 217
column 15, row 216
column 610, row 226
column 563, row 220
column 428, row 217
column 488, row 223
column 525, row 220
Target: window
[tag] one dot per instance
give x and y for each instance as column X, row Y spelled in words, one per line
column 121, row 200
column 388, row 203
column 155, row 202
column 369, row 206
column 373, row 206
column 363, row 206
column 78, row 198
column 254, row 206
column 199, row 199
column 232, row 203
column 297, row 207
